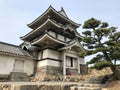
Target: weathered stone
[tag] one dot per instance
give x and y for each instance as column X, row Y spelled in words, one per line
column 56, row 87
column 4, row 78
column 18, row 76
column 95, row 80
column 49, row 73
column 66, row 87
column 29, row 87
column 50, row 87
column 5, row 87
column 71, row 71
column 83, row 69
column 43, row 87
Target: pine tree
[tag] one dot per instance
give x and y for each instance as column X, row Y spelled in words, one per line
column 102, row 41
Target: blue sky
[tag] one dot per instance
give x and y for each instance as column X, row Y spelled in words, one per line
column 16, row 14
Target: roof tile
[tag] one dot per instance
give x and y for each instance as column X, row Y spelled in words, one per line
column 13, row 49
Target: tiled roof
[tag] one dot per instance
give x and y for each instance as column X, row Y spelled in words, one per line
column 13, row 49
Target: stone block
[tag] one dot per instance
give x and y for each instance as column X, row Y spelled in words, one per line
column 43, row 87
column 4, row 78
column 57, row 87
column 66, row 87
column 18, row 77
column 29, row 87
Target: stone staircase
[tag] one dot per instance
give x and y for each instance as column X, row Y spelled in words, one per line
column 92, row 83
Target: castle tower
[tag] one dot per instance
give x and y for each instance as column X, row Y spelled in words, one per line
column 55, row 43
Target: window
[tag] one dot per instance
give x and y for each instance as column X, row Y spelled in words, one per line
column 56, row 35
column 69, row 61
column 64, row 38
column 41, row 54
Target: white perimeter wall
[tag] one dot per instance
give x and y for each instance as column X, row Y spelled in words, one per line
column 7, row 64
column 29, row 66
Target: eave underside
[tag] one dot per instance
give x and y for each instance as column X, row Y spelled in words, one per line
column 47, row 41
column 49, row 25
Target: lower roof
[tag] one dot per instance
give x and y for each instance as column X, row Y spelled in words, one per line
column 10, row 49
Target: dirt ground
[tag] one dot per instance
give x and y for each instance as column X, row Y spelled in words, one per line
column 113, row 85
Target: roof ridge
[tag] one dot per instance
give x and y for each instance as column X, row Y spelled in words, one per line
column 58, row 13
column 12, row 49
column 62, row 10
column 8, row 44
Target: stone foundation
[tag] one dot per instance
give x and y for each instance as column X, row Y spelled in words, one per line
column 71, row 71
column 18, row 77
column 73, row 78
column 4, row 77
column 36, row 86
column 48, row 73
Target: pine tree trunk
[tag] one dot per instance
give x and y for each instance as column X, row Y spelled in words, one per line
column 116, row 73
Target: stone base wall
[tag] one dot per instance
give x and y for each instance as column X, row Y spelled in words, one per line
column 23, row 86
column 83, row 69
column 71, row 71
column 4, row 77
column 19, row 77
column 48, row 73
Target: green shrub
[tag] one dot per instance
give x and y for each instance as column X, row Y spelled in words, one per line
column 100, row 65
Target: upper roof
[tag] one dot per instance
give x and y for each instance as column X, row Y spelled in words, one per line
column 34, row 33
column 14, row 50
column 45, row 37
column 61, row 14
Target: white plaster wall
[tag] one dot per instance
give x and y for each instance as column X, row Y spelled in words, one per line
column 19, row 66
column 48, row 53
column 71, row 54
column 82, row 61
column 48, row 62
column 39, row 56
column 54, row 54
column 60, row 37
column 29, row 66
column 45, row 53
column 67, row 39
column 6, row 64
column 42, row 63
column 52, row 34
column 75, row 63
column 53, row 63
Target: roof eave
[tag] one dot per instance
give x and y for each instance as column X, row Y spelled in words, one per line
column 51, row 8
column 16, row 55
column 49, row 36
column 47, row 21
